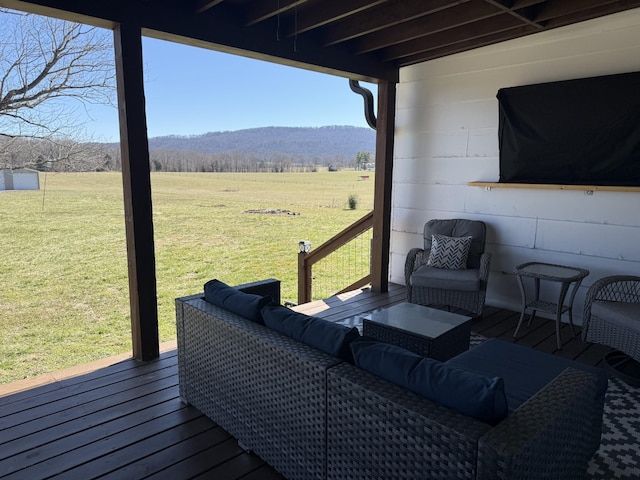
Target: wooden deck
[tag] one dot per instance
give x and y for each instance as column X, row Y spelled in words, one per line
column 125, row 421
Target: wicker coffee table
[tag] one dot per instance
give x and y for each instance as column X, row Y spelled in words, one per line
column 423, row 330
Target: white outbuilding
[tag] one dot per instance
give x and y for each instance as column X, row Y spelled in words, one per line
column 19, row 179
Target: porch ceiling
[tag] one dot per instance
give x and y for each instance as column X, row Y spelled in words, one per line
column 360, row 39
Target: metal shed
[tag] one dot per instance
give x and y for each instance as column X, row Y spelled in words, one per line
column 19, row 179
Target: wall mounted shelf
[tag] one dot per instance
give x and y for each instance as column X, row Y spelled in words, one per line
column 544, row 186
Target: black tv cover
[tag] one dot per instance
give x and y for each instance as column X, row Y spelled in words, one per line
column 575, row 132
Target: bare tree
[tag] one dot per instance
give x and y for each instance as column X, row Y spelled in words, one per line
column 62, row 155
column 50, row 70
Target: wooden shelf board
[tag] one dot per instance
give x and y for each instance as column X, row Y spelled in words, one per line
column 545, row 186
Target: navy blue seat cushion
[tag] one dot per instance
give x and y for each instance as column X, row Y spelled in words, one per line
column 524, row 370
column 471, row 394
column 247, row 305
column 330, row 337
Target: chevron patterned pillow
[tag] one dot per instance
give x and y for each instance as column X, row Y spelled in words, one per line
column 449, row 252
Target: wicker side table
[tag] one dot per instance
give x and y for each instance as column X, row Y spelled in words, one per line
column 562, row 274
column 423, row 330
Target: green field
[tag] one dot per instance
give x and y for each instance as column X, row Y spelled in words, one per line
column 64, row 296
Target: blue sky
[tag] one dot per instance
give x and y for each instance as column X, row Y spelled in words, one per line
column 191, row 91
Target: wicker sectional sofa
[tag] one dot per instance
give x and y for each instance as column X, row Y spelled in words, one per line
column 311, row 415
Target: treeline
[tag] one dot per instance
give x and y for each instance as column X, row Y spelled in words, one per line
column 57, row 155
column 164, row 160
column 240, row 161
column 68, row 156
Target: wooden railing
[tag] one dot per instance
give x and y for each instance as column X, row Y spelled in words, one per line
column 306, row 260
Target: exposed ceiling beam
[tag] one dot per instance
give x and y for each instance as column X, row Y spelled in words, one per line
column 459, row 35
column 319, row 14
column 264, row 10
column 591, row 13
column 53, row 9
column 520, row 4
column 428, row 25
column 464, row 46
column 204, row 5
column 386, row 15
column 524, row 14
column 554, row 9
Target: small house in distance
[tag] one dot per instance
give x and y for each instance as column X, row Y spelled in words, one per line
column 19, row 179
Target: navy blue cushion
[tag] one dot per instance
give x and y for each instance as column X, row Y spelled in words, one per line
column 246, row 305
column 524, row 370
column 330, row 337
column 468, row 393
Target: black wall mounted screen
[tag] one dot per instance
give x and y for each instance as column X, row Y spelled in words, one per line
column 574, row 132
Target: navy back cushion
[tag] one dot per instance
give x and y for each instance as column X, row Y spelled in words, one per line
column 247, row 305
column 468, row 393
column 330, row 337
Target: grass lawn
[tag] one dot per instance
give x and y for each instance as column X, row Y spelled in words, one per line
column 64, row 297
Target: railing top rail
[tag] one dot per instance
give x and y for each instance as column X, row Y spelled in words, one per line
column 340, row 239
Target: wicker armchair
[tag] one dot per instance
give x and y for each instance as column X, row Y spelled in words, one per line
column 612, row 318
column 464, row 288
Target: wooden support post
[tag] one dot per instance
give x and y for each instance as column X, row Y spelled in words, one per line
column 304, row 279
column 136, row 177
column 382, row 189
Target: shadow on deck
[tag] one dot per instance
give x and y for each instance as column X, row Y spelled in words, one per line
column 125, row 420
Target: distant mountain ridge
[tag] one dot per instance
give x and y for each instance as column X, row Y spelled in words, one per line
column 308, row 141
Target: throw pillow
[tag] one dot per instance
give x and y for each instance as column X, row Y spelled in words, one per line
column 465, row 392
column 449, row 252
column 330, row 337
column 246, row 305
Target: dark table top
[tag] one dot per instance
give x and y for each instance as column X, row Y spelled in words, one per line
column 549, row 271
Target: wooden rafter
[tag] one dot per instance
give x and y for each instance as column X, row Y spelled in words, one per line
column 387, row 15
column 446, row 37
column 264, row 10
column 525, row 14
column 318, row 15
column 204, row 5
column 557, row 9
column 425, row 26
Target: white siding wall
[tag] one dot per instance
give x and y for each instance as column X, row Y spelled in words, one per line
column 446, row 136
